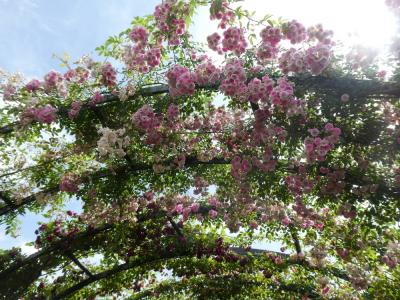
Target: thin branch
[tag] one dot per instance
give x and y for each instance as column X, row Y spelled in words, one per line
column 31, row 167
column 6, row 199
column 17, row 204
column 254, row 106
column 8, row 128
column 71, row 256
column 176, row 228
column 244, row 251
column 295, row 238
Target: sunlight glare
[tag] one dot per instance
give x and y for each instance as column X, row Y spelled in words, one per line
column 369, row 23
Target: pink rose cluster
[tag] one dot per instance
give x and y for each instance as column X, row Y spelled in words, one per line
column 282, row 93
column 318, row 33
column 44, row 115
column 335, row 181
column 270, row 36
column 213, row 41
column 145, row 118
column 9, row 91
column 281, row 96
column 33, row 85
column 169, row 17
column 261, row 133
column 266, row 52
column 108, row 75
column 240, row 167
column 306, row 216
column 392, row 255
column 260, row 89
column 234, row 82
column 141, row 56
column 153, row 57
column 214, row 203
column 137, row 58
column 234, row 41
column 391, row 262
column 147, row 121
column 70, row 75
column 183, row 82
column 173, row 112
column 292, row 60
column 315, row 59
column 139, row 35
column 74, row 110
column 317, row 148
column 294, row 31
column 78, row 74
column 59, row 229
column 299, row 184
column 96, row 99
column 220, row 10
column 186, row 210
column 180, row 81
column 207, row 73
column 266, row 164
column 69, row 183
column 52, row 80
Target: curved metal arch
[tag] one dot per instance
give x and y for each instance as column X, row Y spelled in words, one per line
column 173, row 285
column 369, row 87
column 190, row 161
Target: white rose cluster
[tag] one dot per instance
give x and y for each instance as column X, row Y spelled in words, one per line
column 112, row 142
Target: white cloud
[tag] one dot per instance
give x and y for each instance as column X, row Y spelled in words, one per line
column 28, row 250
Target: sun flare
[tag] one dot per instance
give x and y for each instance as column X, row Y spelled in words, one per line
column 369, row 23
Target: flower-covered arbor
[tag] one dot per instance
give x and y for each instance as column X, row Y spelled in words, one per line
column 182, row 163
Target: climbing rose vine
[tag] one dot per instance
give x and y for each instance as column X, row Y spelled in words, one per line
column 183, row 157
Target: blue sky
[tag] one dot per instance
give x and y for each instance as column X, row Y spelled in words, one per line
column 31, row 31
